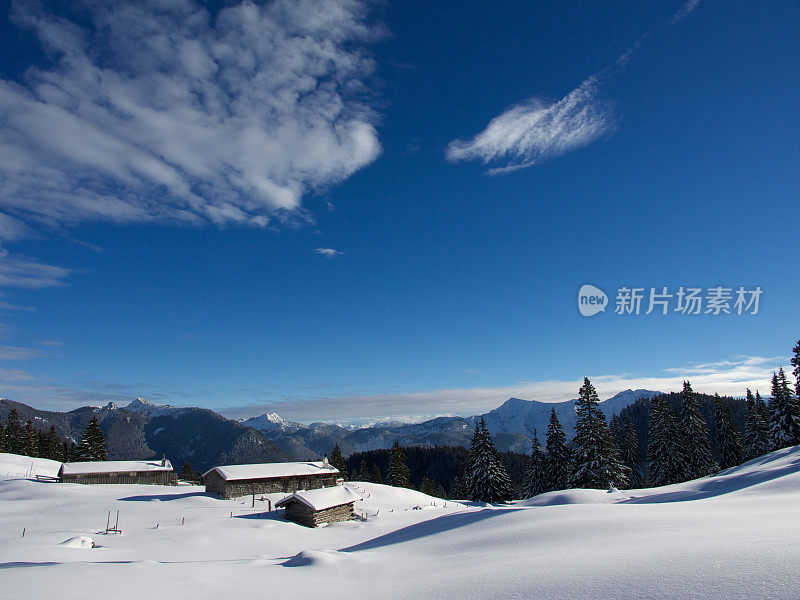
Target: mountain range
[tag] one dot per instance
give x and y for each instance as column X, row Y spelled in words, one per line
column 512, row 425
column 143, row 430
column 204, row 438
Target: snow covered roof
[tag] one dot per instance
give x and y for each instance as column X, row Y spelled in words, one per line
column 322, row 498
column 268, row 470
column 113, row 466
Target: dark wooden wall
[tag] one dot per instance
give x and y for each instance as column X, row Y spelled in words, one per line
column 244, row 487
column 300, row 513
column 145, row 477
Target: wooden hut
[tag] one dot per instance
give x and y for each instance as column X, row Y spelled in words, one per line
column 315, row 507
column 231, row 481
column 158, row 472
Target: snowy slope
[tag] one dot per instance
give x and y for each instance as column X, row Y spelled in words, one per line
column 736, row 535
column 15, row 465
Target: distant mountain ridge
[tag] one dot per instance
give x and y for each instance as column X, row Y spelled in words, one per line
column 512, row 426
column 143, row 430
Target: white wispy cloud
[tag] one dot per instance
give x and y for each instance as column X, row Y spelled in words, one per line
column 25, row 272
column 328, row 252
column 164, row 111
column 730, row 377
column 538, row 130
column 684, row 11
column 16, row 353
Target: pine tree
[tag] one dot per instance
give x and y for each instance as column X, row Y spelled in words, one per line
column 756, row 432
column 615, row 427
column 487, row 479
column 427, row 487
column 376, row 474
column 363, row 472
column 187, row 474
column 729, row 445
column 796, row 364
column 458, row 488
column 630, row 455
column 698, row 461
column 664, row 451
column 93, row 444
column 15, row 443
column 55, row 449
column 596, row 460
column 439, row 491
column 41, row 444
column 29, row 439
column 337, row 461
column 2, row 438
column 67, row 450
column 557, row 460
column 785, row 413
column 398, row 474
column 763, row 410
column 535, row 476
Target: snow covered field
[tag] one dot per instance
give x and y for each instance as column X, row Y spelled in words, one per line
column 736, row 535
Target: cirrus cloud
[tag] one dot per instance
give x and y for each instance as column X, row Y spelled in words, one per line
column 537, row 130
column 328, row 252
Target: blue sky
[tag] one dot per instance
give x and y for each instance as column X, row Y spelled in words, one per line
column 343, row 210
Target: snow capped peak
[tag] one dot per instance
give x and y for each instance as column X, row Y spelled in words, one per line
column 139, row 402
column 275, row 418
column 271, row 422
column 145, row 406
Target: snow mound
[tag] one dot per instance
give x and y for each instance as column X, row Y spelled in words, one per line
column 380, row 495
column 16, row 465
column 578, row 496
column 80, row 541
column 313, row 558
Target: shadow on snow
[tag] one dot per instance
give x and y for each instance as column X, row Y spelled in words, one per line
column 721, row 484
column 164, row 497
column 430, row 527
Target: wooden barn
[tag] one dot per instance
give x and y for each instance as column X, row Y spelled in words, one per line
column 313, row 508
column 231, row 481
column 154, row 472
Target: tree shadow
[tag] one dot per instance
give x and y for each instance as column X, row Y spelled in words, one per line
column 430, row 527
column 19, row 564
column 164, row 497
column 719, row 485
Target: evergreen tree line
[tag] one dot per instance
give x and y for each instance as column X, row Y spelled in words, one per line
column 595, row 458
column 686, row 436
column 26, row 440
column 684, row 439
column 435, row 470
column 678, row 437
